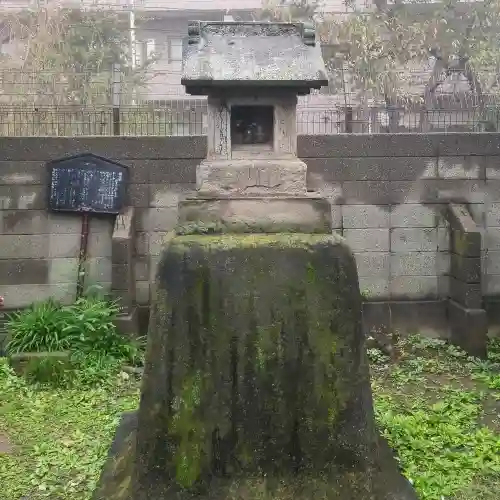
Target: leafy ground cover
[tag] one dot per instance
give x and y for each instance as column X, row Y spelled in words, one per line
column 439, row 409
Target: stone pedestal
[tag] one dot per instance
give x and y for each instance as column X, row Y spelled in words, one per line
column 466, row 315
column 252, row 176
column 256, row 380
column 254, row 214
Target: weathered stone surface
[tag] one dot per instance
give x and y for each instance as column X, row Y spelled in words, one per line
column 468, row 295
column 466, row 269
column 414, row 240
column 468, row 319
column 240, row 177
column 465, row 244
column 468, row 328
column 364, row 217
column 256, row 379
column 306, row 214
column 221, row 54
column 414, row 287
column 406, row 317
column 19, row 296
column 368, row 240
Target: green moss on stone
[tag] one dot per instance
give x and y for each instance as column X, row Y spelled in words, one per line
column 182, row 243
column 248, row 335
column 189, row 432
column 256, row 384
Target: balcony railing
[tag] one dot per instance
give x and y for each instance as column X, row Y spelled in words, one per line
column 151, row 5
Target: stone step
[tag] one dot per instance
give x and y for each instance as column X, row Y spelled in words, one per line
column 246, row 214
column 250, row 177
column 3, row 333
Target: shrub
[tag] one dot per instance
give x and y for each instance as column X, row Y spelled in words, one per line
column 38, row 328
column 88, row 325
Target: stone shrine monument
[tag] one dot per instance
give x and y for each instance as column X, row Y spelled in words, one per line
column 252, row 74
column 256, row 384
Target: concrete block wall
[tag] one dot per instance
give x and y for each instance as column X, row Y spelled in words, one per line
column 388, row 193
column 467, row 317
column 39, row 250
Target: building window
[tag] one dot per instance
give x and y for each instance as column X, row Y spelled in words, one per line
column 150, row 48
column 144, row 51
column 175, row 49
column 138, row 54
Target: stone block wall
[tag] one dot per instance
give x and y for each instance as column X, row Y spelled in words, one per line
column 39, row 250
column 389, row 193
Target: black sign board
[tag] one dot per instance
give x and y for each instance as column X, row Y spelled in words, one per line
column 87, row 183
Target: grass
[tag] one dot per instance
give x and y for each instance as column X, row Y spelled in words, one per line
column 438, row 408
column 60, row 436
column 441, row 411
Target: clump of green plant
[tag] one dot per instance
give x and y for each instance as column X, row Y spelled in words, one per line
column 494, row 350
column 88, row 325
column 377, row 356
column 48, row 370
column 438, row 408
column 37, row 328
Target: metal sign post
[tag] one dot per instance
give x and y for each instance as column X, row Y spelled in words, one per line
column 82, row 257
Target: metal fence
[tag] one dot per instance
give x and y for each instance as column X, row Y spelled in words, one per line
column 189, row 117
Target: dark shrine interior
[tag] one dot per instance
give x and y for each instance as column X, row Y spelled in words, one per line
column 252, row 126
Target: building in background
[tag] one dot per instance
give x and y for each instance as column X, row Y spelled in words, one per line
column 157, row 29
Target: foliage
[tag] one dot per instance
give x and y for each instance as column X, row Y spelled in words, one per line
column 435, row 416
column 66, row 56
column 371, row 51
column 61, row 435
column 37, row 328
column 287, row 10
column 441, row 418
column 86, row 326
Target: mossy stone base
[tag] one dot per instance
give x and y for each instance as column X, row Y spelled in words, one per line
column 256, row 384
column 255, row 214
column 41, row 366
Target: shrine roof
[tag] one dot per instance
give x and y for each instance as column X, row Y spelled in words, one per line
column 251, row 54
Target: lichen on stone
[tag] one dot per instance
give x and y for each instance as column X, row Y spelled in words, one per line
column 256, row 383
column 256, row 322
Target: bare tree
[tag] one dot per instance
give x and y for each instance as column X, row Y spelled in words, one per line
column 76, row 48
column 376, row 49
column 370, row 52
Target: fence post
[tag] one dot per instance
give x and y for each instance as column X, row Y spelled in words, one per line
column 348, row 119
column 115, row 98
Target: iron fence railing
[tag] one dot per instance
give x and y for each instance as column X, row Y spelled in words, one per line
column 189, row 117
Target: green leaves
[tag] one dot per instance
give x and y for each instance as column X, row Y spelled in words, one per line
column 61, row 435
column 68, row 57
column 432, row 408
column 38, row 328
column 88, row 326
column 377, row 49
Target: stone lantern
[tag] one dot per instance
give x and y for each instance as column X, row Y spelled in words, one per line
column 252, row 74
